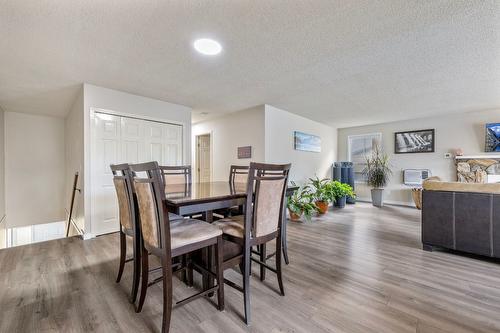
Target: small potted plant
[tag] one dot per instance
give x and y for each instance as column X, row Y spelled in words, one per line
column 341, row 192
column 301, row 203
column 321, row 192
column 377, row 173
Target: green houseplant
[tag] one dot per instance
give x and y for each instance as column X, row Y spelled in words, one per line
column 301, row 203
column 377, row 173
column 322, row 193
column 340, row 192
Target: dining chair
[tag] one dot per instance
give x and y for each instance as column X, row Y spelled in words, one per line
column 129, row 223
column 129, row 226
column 260, row 224
column 176, row 179
column 238, row 177
column 167, row 240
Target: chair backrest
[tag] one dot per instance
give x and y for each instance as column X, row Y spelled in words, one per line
column 238, row 177
column 122, row 178
column 176, row 179
column 267, row 185
column 149, row 189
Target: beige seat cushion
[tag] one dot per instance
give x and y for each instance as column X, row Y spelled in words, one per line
column 189, row 231
column 233, row 226
column 432, row 185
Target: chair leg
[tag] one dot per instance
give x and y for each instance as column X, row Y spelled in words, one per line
column 278, row 265
column 144, row 279
column 123, row 253
column 189, row 270
column 283, row 234
column 167, row 296
column 246, row 284
column 263, row 259
column 220, row 273
column 137, row 269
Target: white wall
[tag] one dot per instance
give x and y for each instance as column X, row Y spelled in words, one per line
column 74, row 140
column 2, row 181
column 279, row 128
column 34, row 169
column 242, row 128
column 2, row 165
column 464, row 131
column 143, row 107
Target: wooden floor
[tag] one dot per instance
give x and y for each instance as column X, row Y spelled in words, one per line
column 360, row 269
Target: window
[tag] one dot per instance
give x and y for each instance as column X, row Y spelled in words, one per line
column 358, row 148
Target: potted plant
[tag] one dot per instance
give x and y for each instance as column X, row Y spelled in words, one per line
column 341, row 192
column 321, row 192
column 301, row 203
column 377, row 174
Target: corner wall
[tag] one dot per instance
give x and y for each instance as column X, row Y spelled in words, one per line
column 34, row 169
column 74, row 159
column 242, row 128
column 2, row 166
column 2, row 181
column 465, row 130
column 279, row 128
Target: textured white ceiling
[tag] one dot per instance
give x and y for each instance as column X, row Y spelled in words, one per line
column 340, row 62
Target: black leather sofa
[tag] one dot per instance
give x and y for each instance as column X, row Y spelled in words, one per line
column 461, row 216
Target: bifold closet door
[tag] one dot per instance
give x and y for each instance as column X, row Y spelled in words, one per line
column 116, row 140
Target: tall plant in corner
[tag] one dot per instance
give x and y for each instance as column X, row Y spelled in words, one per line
column 377, row 173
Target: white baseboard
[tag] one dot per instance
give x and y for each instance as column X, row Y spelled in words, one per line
column 88, row 235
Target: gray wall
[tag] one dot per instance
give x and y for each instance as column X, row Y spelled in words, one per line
column 465, row 130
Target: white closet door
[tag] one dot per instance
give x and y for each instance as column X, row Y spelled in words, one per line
column 125, row 140
column 173, row 145
column 163, row 143
column 107, row 147
column 132, row 141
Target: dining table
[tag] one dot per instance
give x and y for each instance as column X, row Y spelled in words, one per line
column 206, row 197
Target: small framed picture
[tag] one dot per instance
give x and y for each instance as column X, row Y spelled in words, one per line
column 245, row 152
column 421, row 141
column 306, row 142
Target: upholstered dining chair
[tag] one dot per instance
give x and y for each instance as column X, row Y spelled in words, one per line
column 129, row 225
column 238, row 177
column 260, row 224
column 167, row 240
column 176, row 179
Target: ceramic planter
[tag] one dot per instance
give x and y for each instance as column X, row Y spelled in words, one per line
column 340, row 202
column 294, row 216
column 378, row 197
column 322, row 206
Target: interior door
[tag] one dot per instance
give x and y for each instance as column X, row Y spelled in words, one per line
column 125, row 140
column 203, row 155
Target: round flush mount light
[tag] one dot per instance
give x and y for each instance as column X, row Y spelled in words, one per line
column 207, row 46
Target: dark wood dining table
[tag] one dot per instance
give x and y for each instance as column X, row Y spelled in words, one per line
column 205, row 197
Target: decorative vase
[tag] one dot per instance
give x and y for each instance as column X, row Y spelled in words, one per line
column 340, row 202
column 294, row 216
column 322, row 206
column 378, row 197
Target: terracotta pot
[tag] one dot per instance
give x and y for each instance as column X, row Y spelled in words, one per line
column 322, row 206
column 294, row 216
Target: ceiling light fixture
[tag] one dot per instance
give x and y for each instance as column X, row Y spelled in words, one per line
column 207, row 46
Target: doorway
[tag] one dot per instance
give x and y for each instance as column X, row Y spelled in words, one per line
column 203, row 158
